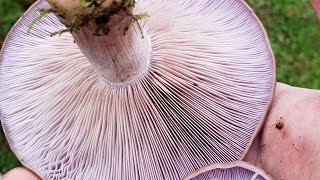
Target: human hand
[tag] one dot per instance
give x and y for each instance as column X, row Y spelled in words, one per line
column 288, row 146
column 20, row 174
column 293, row 151
column 316, row 7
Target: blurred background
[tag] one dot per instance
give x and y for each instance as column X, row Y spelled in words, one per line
column 293, row 30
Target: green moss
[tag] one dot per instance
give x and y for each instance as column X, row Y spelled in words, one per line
column 136, row 19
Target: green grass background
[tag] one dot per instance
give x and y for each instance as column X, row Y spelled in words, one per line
column 293, row 30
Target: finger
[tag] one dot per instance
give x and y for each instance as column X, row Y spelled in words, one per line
column 316, row 7
column 288, row 146
column 20, row 174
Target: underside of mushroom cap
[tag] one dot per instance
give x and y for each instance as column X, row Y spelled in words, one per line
column 229, row 171
column 202, row 100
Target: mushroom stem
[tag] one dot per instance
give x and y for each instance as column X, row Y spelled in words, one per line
column 117, row 55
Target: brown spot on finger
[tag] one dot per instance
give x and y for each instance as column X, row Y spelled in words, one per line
column 280, row 124
column 284, row 134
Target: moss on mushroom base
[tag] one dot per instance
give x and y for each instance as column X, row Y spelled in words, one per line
column 90, row 22
column 94, row 15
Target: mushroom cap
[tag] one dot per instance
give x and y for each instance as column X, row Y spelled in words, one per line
column 229, row 171
column 203, row 100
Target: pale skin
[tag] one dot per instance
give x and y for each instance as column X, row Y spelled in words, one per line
column 289, row 151
column 293, row 151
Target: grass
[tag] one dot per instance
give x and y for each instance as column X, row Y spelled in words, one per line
column 294, row 33
column 293, row 30
column 10, row 11
column 7, row 158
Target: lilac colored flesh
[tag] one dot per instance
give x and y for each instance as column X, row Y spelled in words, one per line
column 206, row 91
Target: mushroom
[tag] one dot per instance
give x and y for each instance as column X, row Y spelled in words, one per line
column 194, row 91
column 231, row 171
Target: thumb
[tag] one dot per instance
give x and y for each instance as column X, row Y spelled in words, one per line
column 20, row 174
column 316, row 7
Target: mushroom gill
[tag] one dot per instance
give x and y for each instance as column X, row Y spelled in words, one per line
column 202, row 97
column 229, row 171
